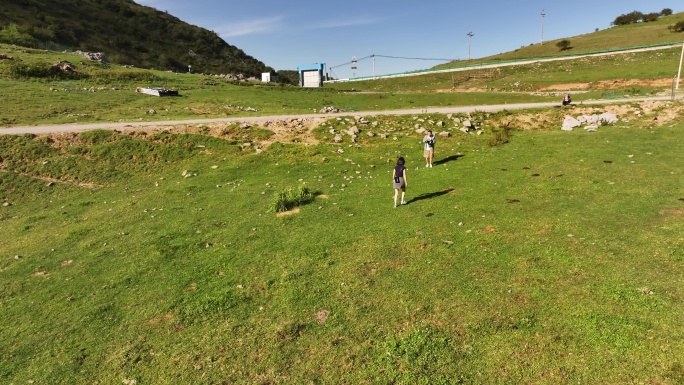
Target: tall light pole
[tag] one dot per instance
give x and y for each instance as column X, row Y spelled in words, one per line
column 470, row 36
column 353, row 66
column 679, row 72
column 542, row 33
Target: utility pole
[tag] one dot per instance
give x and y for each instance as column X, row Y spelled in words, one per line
column 373, row 55
column 542, row 32
column 679, row 72
column 470, row 36
column 353, row 67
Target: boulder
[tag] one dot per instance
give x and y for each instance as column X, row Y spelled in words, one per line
column 569, row 123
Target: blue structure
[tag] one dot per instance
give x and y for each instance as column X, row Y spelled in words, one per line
column 311, row 75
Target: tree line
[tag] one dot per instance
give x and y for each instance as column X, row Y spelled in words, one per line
column 639, row 17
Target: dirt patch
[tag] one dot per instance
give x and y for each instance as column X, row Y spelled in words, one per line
column 50, row 181
column 608, row 85
column 293, row 130
column 289, row 212
column 672, row 214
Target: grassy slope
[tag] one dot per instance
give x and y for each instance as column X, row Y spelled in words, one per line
column 570, row 276
column 101, row 94
column 631, row 35
column 531, row 262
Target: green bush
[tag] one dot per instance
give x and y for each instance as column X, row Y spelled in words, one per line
column 499, row 137
column 12, row 35
column 291, row 198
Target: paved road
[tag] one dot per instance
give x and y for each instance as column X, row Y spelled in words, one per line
column 57, row 128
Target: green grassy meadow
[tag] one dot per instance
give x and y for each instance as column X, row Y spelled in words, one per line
column 155, row 258
column 32, row 95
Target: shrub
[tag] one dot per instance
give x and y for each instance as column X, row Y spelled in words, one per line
column 12, row 35
column 499, row 137
column 291, row 198
column 563, row 44
column 679, row 27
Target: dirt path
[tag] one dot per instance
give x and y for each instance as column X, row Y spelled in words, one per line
column 282, row 120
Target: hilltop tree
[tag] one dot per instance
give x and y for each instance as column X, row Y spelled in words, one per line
column 563, row 44
column 653, row 16
column 666, row 12
column 630, row 18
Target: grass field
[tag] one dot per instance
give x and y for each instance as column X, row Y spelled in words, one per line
column 555, row 258
column 527, row 255
column 32, row 95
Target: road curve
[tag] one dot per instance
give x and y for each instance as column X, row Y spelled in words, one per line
column 60, row 128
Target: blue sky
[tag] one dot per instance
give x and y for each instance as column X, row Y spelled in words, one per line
column 403, row 35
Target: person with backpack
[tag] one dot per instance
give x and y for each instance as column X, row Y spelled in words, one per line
column 429, row 148
column 399, row 181
column 566, row 99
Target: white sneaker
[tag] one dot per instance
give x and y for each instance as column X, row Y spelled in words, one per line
column 430, row 165
column 403, row 202
column 427, row 165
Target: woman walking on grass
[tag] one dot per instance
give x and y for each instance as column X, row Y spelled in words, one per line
column 399, row 179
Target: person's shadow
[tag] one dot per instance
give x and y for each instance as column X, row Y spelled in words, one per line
column 430, row 195
column 447, row 159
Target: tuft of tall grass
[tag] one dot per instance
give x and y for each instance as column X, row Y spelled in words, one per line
column 290, row 198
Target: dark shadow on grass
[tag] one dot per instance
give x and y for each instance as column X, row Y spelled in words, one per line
column 430, row 195
column 447, row 159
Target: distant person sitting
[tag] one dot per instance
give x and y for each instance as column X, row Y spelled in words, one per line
column 566, row 99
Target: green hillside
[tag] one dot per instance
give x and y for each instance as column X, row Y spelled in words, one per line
column 159, row 255
column 126, row 32
column 622, row 36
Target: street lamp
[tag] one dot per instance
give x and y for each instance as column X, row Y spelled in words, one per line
column 542, row 31
column 470, row 36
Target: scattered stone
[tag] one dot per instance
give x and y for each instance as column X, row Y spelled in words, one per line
column 63, row 66
column 97, row 56
column 329, row 110
column 569, row 123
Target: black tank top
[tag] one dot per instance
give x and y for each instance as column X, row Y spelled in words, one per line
column 399, row 171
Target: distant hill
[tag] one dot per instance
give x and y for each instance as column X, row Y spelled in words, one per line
column 126, row 32
column 620, row 36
